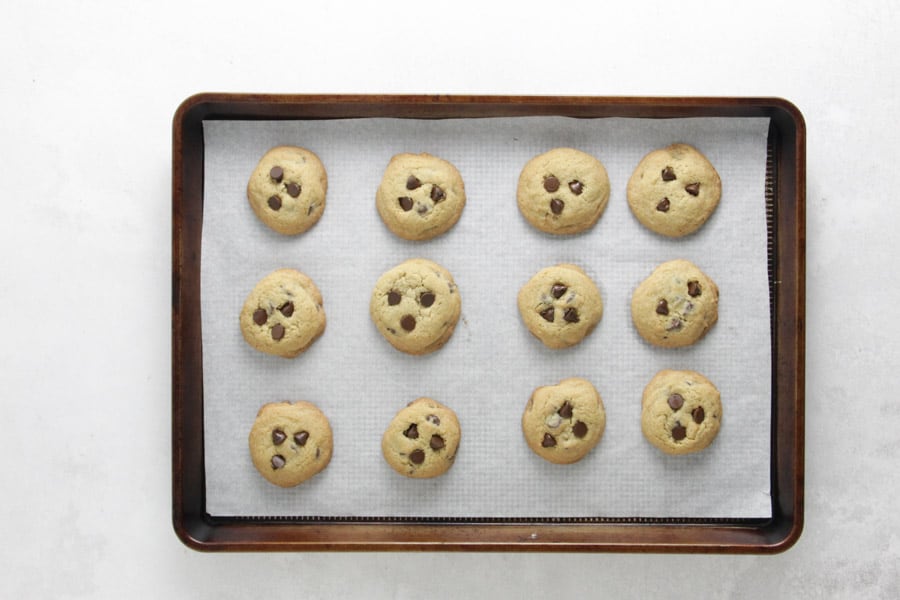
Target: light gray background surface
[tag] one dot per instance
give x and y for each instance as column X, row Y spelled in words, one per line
column 88, row 91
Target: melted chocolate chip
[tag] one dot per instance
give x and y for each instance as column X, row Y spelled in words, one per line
column 693, row 288
column 301, row 438
column 663, row 205
column 274, row 202
column 278, row 461
column 565, row 411
column 678, row 432
column 293, row 189
column 412, row 182
column 558, row 290
column 551, row 183
column 260, row 317
column 668, row 174
column 675, row 325
column 577, row 187
column 556, row 206
column 412, row 432
column 693, row 189
column 426, row 299
column 276, row 173
column 437, row 194
column 580, row 429
column 287, row 309
column 699, row 414
column 406, row 203
column 676, row 401
column 662, row 307
column 278, row 437
column 547, row 314
column 393, row 298
column 433, row 419
column 417, row 456
column 549, row 441
column 437, row 442
column 408, row 322
column 278, row 332
column 571, row 315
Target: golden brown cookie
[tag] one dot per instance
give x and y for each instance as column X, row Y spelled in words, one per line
column 287, row 189
column 681, row 411
column 560, row 305
column 563, row 422
column 289, row 443
column 422, row 439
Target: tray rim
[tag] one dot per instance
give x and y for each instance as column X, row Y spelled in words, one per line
column 201, row 531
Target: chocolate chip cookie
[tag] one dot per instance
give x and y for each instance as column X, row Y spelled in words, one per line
column 563, row 422
column 416, row 306
column 560, row 305
column 287, row 189
column 289, row 443
column 420, row 197
column 563, row 191
column 674, row 190
column 283, row 315
column 676, row 305
column 681, row 411
column 422, row 439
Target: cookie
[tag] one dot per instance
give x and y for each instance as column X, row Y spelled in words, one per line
column 560, row 305
column 283, row 315
column 416, row 306
column 422, row 439
column 563, row 422
column 287, row 189
column 676, row 305
column 420, row 197
column 289, row 443
column 563, row 191
column 681, row 412
column 674, row 190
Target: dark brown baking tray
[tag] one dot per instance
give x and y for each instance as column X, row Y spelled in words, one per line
column 786, row 206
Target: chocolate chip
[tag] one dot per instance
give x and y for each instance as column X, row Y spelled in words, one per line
column 426, row 299
column 551, row 183
column 274, row 202
column 260, row 317
column 565, row 411
column 287, row 309
column 437, row 194
column 393, row 298
column 278, row 437
column 293, row 189
column 556, row 206
column 421, row 209
column 577, row 187
column 412, row 182
column 278, row 461
column 693, row 288
column 301, row 438
column 580, row 429
column 433, row 419
column 668, row 174
column 276, row 173
column 558, row 290
column 412, row 432
column 693, row 189
column 408, row 322
column 676, row 401
column 547, row 314
column 406, row 203
column 571, row 315
column 662, row 307
column 549, row 441
column 678, row 432
column 675, row 325
column 437, row 442
column 663, row 205
column 699, row 414
column 417, row 456
column 278, row 332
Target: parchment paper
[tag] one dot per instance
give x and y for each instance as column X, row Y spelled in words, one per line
column 489, row 368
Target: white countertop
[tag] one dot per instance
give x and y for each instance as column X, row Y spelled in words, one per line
column 88, row 92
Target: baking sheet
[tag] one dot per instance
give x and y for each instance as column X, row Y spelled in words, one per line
column 490, row 366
